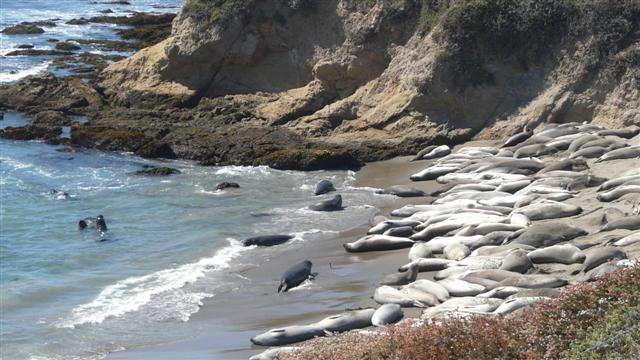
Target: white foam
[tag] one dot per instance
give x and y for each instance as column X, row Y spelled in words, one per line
column 163, row 288
column 6, row 77
column 242, row 170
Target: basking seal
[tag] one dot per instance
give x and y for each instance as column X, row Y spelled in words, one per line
column 623, row 153
column 517, row 261
column 511, row 305
column 295, row 276
column 385, row 225
column 440, row 292
column 427, row 264
column 274, row 353
column 534, row 150
column 402, row 278
column 456, row 251
column 534, row 281
column 589, row 153
column 433, row 172
column 333, row 204
column 626, row 133
column 423, row 297
column 267, row 240
column 323, row 187
column 597, row 256
column 419, row 250
column 402, row 191
column 378, row 243
column 387, row 314
column 566, row 164
column 387, row 295
column 457, row 287
column 549, row 209
column 547, row 234
column 402, row 231
column 519, row 137
column 438, row 151
column 618, row 192
column 627, row 222
column 349, row 320
column 287, row 335
column 423, row 152
column 630, row 239
column 558, row 254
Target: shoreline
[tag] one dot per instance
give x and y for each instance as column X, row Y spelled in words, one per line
column 345, row 284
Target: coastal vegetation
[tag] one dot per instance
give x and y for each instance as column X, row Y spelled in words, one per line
column 597, row 320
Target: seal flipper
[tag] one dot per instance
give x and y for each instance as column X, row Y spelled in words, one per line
column 312, row 276
column 282, row 284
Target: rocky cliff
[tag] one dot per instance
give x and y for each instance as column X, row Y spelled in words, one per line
column 374, row 78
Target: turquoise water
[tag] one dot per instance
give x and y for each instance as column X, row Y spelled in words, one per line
column 13, row 12
column 67, row 295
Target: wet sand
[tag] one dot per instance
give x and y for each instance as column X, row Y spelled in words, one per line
column 226, row 322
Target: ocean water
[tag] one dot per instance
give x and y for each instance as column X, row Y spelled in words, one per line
column 172, row 242
column 13, row 12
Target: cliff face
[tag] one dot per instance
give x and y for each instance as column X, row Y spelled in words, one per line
column 396, row 73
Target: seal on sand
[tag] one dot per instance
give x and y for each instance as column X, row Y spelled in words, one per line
column 295, row 275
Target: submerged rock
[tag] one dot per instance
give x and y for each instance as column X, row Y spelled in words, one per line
column 158, row 171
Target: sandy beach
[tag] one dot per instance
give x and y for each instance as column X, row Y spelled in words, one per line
column 226, row 322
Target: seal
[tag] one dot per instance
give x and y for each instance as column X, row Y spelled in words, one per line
column 402, row 231
column 226, row 185
column 402, row 278
column 97, row 222
column 618, row 192
column 626, row 133
column 273, row 354
column 534, row 281
column 457, row 287
column 59, row 195
column 627, row 222
column 466, row 304
column 598, row 256
column 534, row 150
column 423, row 152
column 609, row 184
column 456, row 251
column 383, row 226
column 287, row 335
column 421, row 296
column 431, row 287
column 549, row 209
column 295, row 276
column 517, row 261
column 349, row 320
column 589, row 152
column 427, row 264
column 333, row 204
column 511, row 305
column 387, row 314
column 547, row 234
column 519, row 137
column 323, row 187
column 557, row 254
column 433, row 172
column 437, row 152
column 378, row 243
column 387, row 295
column 267, row 240
column 623, row 153
column 630, row 239
column 566, row 164
column 402, row 191
column 419, row 250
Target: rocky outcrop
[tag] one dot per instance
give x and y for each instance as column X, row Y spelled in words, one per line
column 307, row 84
column 396, row 72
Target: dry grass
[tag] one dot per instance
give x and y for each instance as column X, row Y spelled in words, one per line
column 588, row 321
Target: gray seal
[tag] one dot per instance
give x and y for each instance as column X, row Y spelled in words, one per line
column 517, row 261
column 267, row 240
column 333, row 204
column 566, row 164
column 549, row 210
column 402, row 278
column 402, row 231
column 624, row 153
column 349, row 320
column 295, row 276
column 287, row 335
column 323, row 187
column 519, row 137
column 423, row 152
column 378, row 243
column 601, row 255
column 547, row 234
column 618, row 192
column 387, row 314
column 557, row 254
column 626, row 133
column 402, row 191
column 534, row 150
column 627, row 222
column 534, row 281
column 59, row 195
column 97, row 222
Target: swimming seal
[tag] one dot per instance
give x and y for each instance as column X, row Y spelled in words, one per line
column 97, row 222
column 267, row 240
column 333, row 204
column 323, row 187
column 295, row 276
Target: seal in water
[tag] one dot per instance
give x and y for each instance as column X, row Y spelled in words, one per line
column 267, row 240
column 224, row 185
column 97, row 222
column 59, row 195
column 333, row 204
column 519, row 137
column 323, row 187
column 295, row 275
